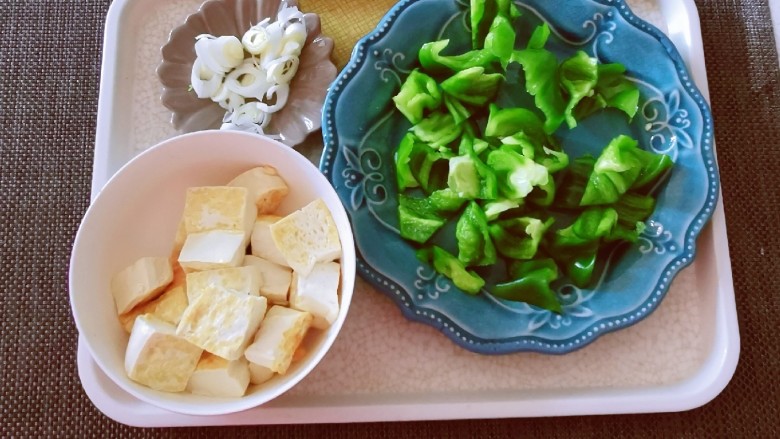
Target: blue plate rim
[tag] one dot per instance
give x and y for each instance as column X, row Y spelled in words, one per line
column 527, row 343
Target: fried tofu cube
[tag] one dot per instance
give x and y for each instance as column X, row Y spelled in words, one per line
column 222, row 322
column 263, row 245
column 265, row 186
column 142, row 281
column 157, row 358
column 179, row 238
column 280, row 334
column 219, row 208
column 307, row 236
column 216, row 376
column 259, row 374
column 168, row 307
column 276, row 279
column 213, row 250
column 317, row 293
column 240, row 280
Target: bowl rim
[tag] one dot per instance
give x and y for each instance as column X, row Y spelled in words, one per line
column 529, row 343
column 222, row 405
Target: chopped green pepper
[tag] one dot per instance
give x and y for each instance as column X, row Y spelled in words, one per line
column 519, row 238
column 580, row 269
column 483, row 13
column 474, row 244
column 573, row 184
column 469, row 176
column 416, row 226
column 434, row 62
column 531, row 284
column 473, row 85
column 448, row 265
column 460, row 113
column 516, row 175
column 438, row 129
column 508, row 121
column 617, row 170
column 541, row 81
column 495, row 208
column 418, row 93
column 417, row 164
column 577, row 246
column 612, row 89
column 500, row 39
column 579, row 74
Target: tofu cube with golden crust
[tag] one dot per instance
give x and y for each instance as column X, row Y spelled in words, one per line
column 157, row 358
column 142, row 281
column 259, row 374
column 219, row 208
column 276, row 279
column 263, row 245
column 240, row 280
column 222, row 322
column 168, row 307
column 317, row 293
column 216, row 376
column 280, row 334
column 307, row 236
column 212, row 250
column 265, row 186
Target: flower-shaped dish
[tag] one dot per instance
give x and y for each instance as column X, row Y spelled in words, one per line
column 303, row 112
column 362, row 129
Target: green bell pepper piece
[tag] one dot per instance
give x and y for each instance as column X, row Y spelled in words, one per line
column 418, row 93
column 585, row 234
column 612, row 89
column 473, row 86
column 471, row 233
column 576, row 247
column 434, row 62
column 500, row 39
column 438, row 129
column 633, row 209
column 516, row 175
column 403, row 156
column 543, row 195
column 573, row 183
column 469, row 177
column 580, row 269
column 541, row 81
column 618, row 169
column 509, row 121
column 414, row 225
column 579, row 75
column 531, row 284
column 417, row 164
column 519, row 238
column 449, row 266
column 653, row 170
column 460, row 113
column 493, row 209
column 445, row 201
column 539, row 37
column 483, row 13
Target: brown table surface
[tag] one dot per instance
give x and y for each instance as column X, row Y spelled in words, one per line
column 49, row 73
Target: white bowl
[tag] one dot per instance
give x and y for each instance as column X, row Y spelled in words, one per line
column 137, row 213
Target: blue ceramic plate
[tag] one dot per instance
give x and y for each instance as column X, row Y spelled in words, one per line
column 361, row 128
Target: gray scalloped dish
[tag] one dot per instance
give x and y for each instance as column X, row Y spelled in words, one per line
column 303, row 112
column 362, row 129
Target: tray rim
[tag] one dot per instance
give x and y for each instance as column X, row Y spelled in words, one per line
column 714, row 374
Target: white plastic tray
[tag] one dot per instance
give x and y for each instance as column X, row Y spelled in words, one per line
column 385, row 368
